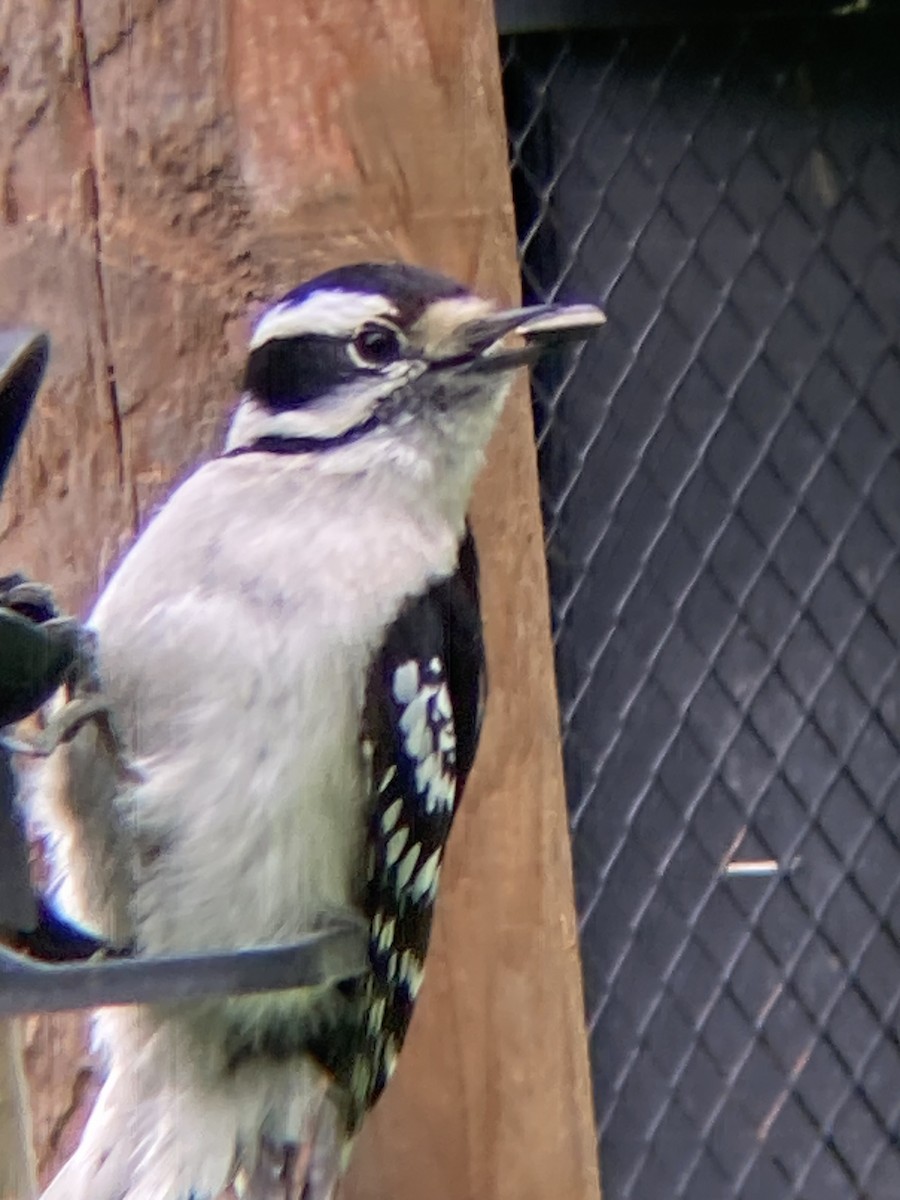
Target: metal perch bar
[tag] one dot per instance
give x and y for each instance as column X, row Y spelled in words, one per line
column 326, row 955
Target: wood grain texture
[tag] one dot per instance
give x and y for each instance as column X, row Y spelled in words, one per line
column 17, row 1168
column 174, row 165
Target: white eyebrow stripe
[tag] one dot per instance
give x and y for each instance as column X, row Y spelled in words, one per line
column 328, row 312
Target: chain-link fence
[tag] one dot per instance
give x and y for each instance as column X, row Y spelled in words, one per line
column 721, row 485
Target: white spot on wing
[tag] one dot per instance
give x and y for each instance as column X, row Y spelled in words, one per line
column 425, row 883
column 407, row 866
column 410, row 973
column 390, row 1056
column 429, row 738
column 376, row 1014
column 386, row 937
column 442, row 702
column 441, row 793
column 395, row 845
column 414, row 725
column 390, row 815
column 406, row 682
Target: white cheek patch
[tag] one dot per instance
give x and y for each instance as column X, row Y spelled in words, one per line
column 329, row 312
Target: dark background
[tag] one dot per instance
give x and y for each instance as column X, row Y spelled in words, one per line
column 721, row 488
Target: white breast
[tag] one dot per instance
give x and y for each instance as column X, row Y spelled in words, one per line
column 236, row 640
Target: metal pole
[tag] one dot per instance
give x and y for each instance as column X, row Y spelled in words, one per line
column 319, row 958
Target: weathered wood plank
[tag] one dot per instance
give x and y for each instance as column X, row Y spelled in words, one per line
column 17, row 1168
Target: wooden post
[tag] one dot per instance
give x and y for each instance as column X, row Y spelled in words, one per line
column 17, row 1175
column 167, row 166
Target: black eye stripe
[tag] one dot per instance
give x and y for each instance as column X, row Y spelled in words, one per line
column 292, row 372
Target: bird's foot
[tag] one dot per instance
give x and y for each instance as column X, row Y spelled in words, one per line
column 29, row 599
column 66, row 722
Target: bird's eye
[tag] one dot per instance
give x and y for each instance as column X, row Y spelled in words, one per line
column 376, row 345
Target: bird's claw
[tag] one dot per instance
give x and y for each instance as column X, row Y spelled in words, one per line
column 28, row 598
column 66, row 722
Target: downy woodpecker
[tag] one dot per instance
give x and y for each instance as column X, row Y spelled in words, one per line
column 292, row 655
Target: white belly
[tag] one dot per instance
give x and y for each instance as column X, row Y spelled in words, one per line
column 235, row 651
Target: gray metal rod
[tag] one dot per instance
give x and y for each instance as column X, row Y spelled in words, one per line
column 328, row 955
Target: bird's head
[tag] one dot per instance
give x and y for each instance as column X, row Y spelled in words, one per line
column 399, row 363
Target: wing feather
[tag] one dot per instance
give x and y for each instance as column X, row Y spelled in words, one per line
column 421, row 727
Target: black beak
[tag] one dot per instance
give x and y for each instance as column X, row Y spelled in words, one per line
column 23, row 357
column 481, row 345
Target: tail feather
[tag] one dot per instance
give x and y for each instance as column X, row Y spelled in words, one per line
column 191, row 1138
column 167, row 1148
column 98, row 1169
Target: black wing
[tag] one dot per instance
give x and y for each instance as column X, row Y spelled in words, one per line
column 421, row 727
